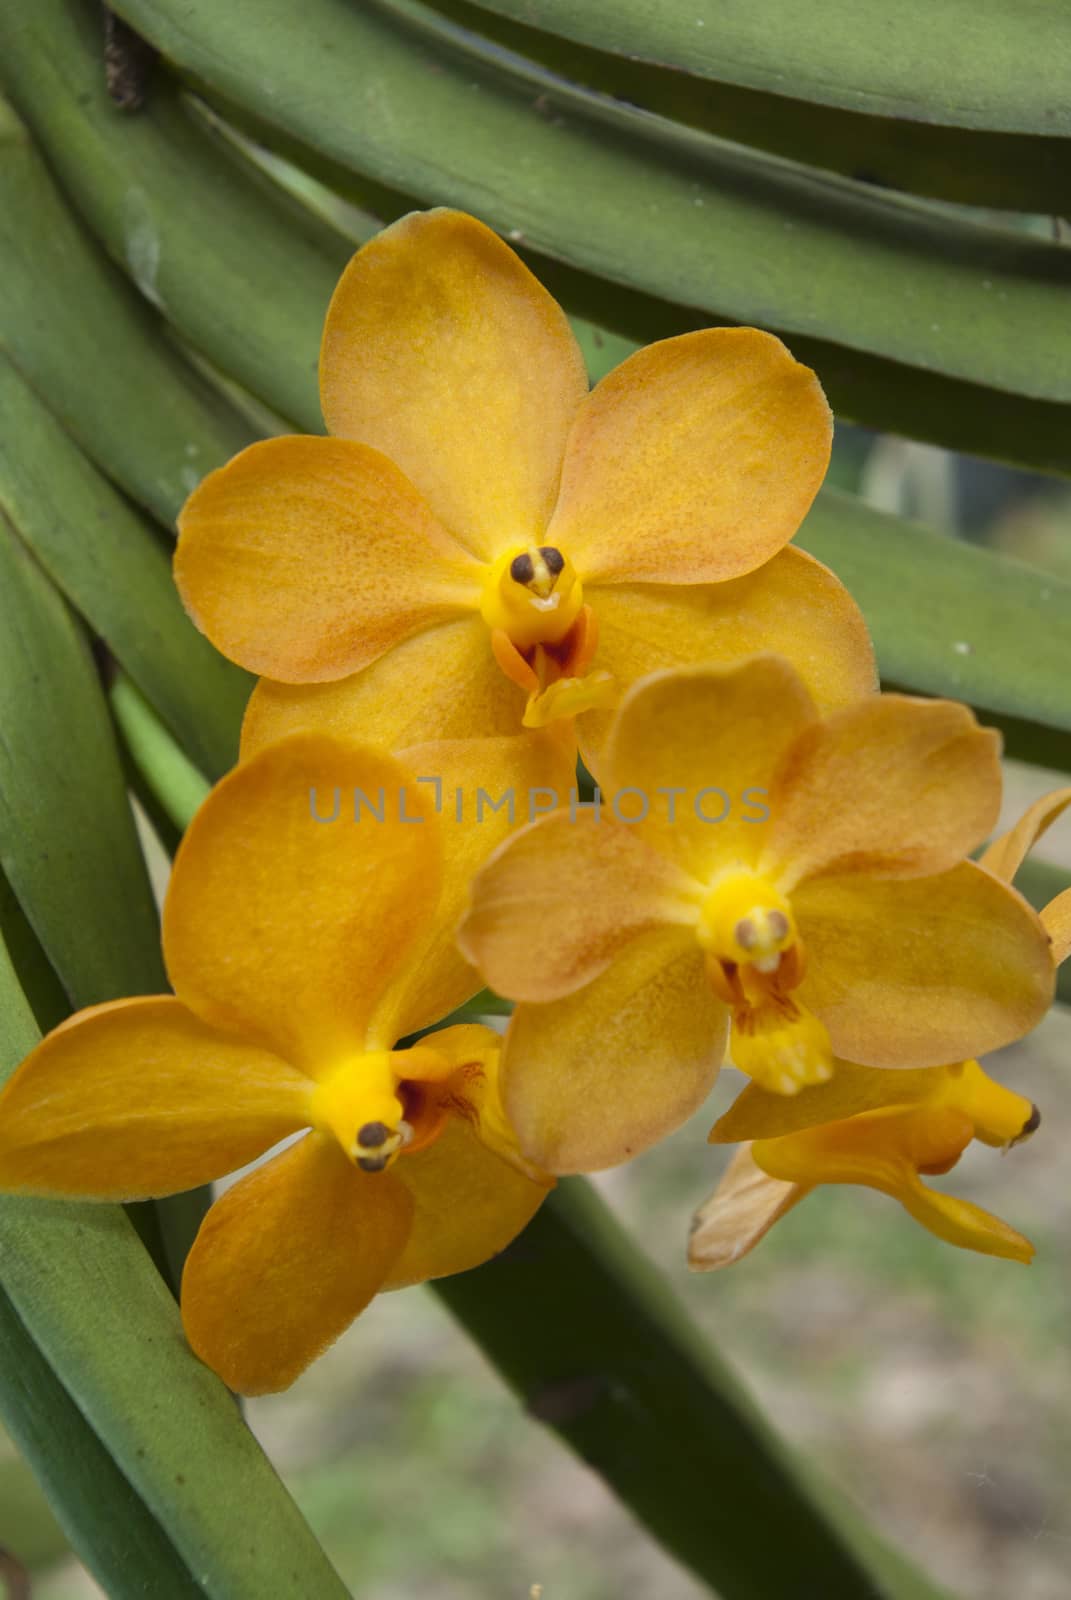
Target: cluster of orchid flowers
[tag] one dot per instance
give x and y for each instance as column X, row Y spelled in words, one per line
column 483, row 571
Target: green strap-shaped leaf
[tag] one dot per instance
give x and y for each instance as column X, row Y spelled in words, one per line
column 67, row 839
column 244, row 266
column 1011, row 171
column 953, row 619
column 92, row 352
column 594, row 1341
column 121, row 1543
column 162, row 764
column 114, row 567
column 633, row 198
column 966, row 63
column 223, row 234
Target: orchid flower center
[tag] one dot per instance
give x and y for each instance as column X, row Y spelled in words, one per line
column 747, row 921
column 533, row 594
column 755, row 959
column 382, row 1104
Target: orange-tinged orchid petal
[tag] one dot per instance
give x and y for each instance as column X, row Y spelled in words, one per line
column 892, row 787
column 472, row 1090
column 906, row 971
column 695, row 460
column 1056, row 919
column 286, row 1259
column 468, row 1205
column 961, row 1222
column 563, row 899
column 740, row 1213
column 793, row 606
column 441, row 684
column 286, row 928
column 443, row 351
column 757, row 1114
column 599, row 1076
column 715, row 735
column 471, row 1189
column 139, row 1098
column 884, row 1150
column 483, row 789
column 305, row 559
column 1005, row 855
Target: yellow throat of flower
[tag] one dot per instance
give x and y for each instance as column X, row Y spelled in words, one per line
column 382, row 1103
column 543, row 636
column 754, row 961
column 533, row 594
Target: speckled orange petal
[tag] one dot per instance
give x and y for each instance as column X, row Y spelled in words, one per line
column 694, row 460
column 468, row 1204
column 286, row 1259
column 139, row 1098
column 1056, row 918
column 757, row 1114
column 305, row 559
column 792, row 606
column 443, row 351
column 595, row 1078
column 1006, row 855
column 894, row 786
column 909, row 972
column 740, row 1213
column 703, row 744
column 559, row 902
column 441, row 684
column 483, row 790
column 287, row 926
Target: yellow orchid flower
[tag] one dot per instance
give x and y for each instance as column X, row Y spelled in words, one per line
column 881, row 1129
column 483, row 542
column 306, row 931
column 803, row 878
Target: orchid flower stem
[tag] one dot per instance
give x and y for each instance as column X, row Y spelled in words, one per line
column 594, row 1342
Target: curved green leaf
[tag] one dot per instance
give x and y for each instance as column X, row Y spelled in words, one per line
column 967, row 63
column 954, row 619
column 67, row 839
column 92, row 351
column 604, row 1353
column 123, row 1546
column 162, row 764
column 402, row 97
column 113, row 567
column 1017, row 172
column 218, row 223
